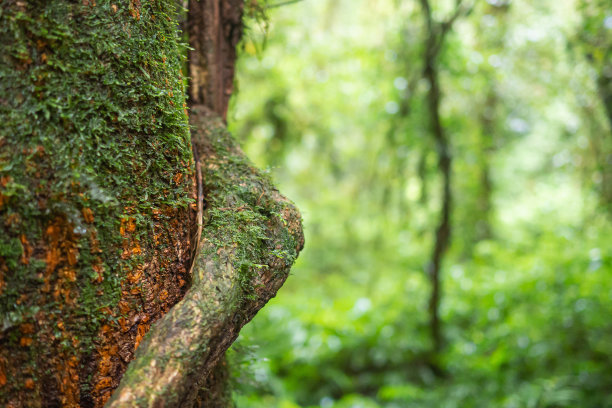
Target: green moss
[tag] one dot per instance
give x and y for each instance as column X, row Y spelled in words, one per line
column 242, row 212
column 92, row 113
column 251, row 236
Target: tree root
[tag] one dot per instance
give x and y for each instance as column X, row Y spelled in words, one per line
column 250, row 238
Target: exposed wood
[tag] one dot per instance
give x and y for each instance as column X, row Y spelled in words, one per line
column 200, row 208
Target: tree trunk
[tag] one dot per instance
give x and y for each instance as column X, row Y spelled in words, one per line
column 484, row 204
column 435, row 34
column 99, row 208
column 604, row 85
column 214, row 28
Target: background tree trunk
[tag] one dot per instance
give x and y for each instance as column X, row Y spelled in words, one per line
column 98, row 208
column 435, row 35
column 214, row 28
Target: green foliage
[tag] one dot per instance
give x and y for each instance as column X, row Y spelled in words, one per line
column 335, row 105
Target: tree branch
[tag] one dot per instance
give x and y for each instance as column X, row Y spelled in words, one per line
column 460, row 11
column 437, row 31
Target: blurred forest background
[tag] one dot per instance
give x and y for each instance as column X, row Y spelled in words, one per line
column 453, row 162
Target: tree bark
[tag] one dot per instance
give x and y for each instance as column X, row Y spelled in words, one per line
column 604, row 85
column 214, row 28
column 98, row 210
column 484, row 205
column 435, row 33
column 251, row 237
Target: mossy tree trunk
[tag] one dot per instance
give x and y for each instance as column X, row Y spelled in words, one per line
column 99, row 267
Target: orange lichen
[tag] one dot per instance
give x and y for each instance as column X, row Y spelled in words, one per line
column 72, row 253
column 128, row 251
column 124, row 307
column 68, row 274
column 26, row 328
column 141, row 331
column 123, row 323
column 88, row 215
column 106, row 310
column 29, row 384
column 53, row 255
column 178, row 178
column 99, row 269
column 104, row 365
column 104, row 382
column 27, row 250
column 135, row 275
column 2, row 371
column 67, row 372
column 3, row 270
column 25, row 341
column 4, row 180
column 135, row 9
column 127, row 225
column 136, row 250
column 94, row 243
column 156, row 238
column 105, row 330
column 52, row 259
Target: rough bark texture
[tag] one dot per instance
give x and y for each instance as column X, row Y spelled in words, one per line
column 214, row 28
column 98, row 207
column 250, row 239
column 97, row 178
column 216, row 392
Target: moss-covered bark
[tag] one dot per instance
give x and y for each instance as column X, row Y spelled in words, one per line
column 98, row 212
column 251, row 237
column 96, row 179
